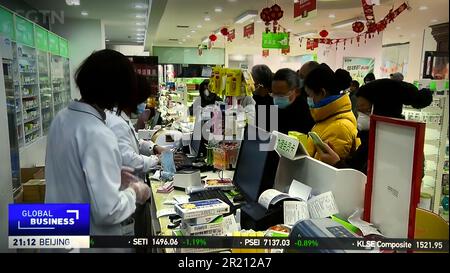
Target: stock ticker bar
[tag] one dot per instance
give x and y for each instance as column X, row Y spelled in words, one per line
column 301, row 244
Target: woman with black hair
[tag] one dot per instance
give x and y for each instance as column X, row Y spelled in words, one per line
column 83, row 160
column 383, row 97
column 332, row 112
column 293, row 111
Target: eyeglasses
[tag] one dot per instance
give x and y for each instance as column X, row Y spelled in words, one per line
column 285, row 96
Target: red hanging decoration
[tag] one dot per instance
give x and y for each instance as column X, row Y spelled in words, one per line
column 212, row 37
column 345, row 41
column 276, row 13
column 358, row 26
column 323, row 33
column 265, row 16
column 224, row 31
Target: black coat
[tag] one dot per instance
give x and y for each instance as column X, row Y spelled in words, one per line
column 296, row 117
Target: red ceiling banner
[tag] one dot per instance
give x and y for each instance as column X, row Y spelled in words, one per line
column 249, row 30
column 305, row 9
column 231, row 35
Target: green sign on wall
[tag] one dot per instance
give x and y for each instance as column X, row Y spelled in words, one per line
column 278, row 40
column 53, row 43
column 6, row 24
column 41, row 38
column 24, row 31
column 63, row 48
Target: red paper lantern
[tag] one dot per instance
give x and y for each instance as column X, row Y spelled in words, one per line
column 323, row 33
column 265, row 15
column 358, row 26
column 224, row 31
column 212, row 37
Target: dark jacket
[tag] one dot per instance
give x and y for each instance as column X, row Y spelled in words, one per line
column 264, row 102
column 358, row 159
column 296, row 117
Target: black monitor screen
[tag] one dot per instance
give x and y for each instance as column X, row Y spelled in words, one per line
column 256, row 168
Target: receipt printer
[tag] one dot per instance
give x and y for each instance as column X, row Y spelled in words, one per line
column 256, row 217
column 187, row 178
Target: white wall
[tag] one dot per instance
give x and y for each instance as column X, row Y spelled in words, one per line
column 129, row 50
column 334, row 58
column 85, row 36
column 418, row 45
column 5, row 168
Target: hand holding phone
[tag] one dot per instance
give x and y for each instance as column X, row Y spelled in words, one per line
column 317, row 141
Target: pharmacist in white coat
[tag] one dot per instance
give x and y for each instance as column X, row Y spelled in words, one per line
column 138, row 155
column 83, row 161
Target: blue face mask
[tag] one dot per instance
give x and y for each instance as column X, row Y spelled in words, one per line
column 141, row 108
column 281, row 102
column 311, row 103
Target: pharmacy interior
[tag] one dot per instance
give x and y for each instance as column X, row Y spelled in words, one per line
column 223, row 172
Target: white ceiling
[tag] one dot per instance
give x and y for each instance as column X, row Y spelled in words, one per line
column 191, row 13
column 119, row 16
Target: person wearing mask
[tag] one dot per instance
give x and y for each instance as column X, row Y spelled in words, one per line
column 383, row 97
column 136, row 154
column 370, row 77
column 354, row 87
column 83, row 159
column 206, row 97
column 293, row 111
column 332, row 112
column 262, row 75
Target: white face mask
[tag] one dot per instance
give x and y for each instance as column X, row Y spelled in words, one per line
column 363, row 122
column 206, row 92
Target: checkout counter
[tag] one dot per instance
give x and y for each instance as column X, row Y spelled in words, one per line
column 348, row 187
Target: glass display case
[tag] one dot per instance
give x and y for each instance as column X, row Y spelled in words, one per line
column 435, row 180
column 45, row 91
column 58, row 83
column 66, row 93
column 13, row 123
column 25, row 61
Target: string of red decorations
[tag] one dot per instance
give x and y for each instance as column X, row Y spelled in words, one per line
column 358, row 27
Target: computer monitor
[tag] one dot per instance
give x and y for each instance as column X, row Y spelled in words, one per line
column 255, row 168
column 198, row 140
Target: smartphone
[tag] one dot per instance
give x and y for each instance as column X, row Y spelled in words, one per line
column 317, row 141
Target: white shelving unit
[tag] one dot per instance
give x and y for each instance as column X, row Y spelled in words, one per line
column 45, row 88
column 26, row 92
column 41, row 84
column 436, row 140
column 60, row 78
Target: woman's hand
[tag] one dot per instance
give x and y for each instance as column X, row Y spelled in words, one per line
column 328, row 156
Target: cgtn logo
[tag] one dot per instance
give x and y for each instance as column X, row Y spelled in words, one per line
column 48, row 225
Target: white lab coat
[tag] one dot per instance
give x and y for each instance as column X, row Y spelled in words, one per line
column 134, row 154
column 83, row 165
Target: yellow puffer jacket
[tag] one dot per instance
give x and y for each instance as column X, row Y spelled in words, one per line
column 335, row 124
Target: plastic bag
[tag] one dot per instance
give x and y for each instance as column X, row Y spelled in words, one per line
column 168, row 166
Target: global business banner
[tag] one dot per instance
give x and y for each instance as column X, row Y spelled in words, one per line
column 48, row 219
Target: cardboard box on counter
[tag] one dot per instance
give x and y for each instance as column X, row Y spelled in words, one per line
column 34, row 191
column 32, row 173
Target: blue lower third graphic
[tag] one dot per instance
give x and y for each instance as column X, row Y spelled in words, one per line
column 48, row 219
